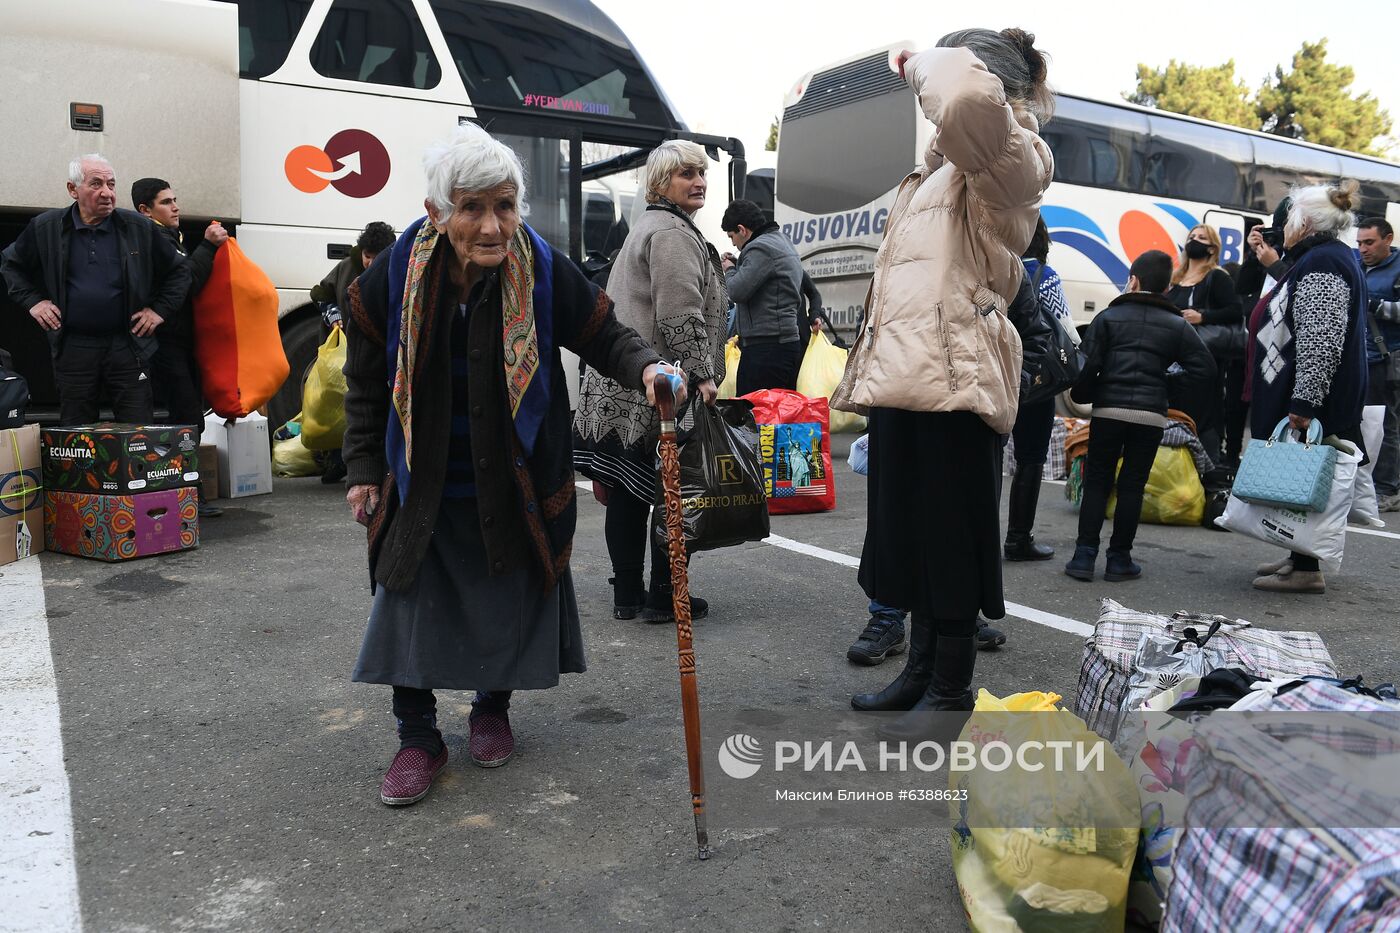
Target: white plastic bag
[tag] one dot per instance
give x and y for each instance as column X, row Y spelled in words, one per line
column 859, row 458
column 1316, row 534
column 1365, row 509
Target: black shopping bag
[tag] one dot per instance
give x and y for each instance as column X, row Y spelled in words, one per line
column 722, row 498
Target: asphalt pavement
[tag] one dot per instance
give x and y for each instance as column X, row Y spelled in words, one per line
column 224, row 771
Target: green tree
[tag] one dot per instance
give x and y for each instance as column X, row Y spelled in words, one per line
column 1212, row 93
column 772, row 144
column 1313, row 101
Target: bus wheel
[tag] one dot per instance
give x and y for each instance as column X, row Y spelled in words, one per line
column 301, row 338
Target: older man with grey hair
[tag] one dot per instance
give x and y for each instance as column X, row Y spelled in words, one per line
column 100, row 281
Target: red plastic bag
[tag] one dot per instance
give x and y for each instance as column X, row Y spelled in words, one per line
column 794, row 448
column 236, row 340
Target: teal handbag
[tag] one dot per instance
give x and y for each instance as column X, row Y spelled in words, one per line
column 1285, row 473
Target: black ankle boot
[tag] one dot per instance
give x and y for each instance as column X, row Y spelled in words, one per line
column 911, row 683
column 629, row 596
column 1020, row 515
column 949, row 689
column 659, row 598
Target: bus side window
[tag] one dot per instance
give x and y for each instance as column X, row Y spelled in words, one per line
column 377, row 42
column 266, row 29
column 1198, row 163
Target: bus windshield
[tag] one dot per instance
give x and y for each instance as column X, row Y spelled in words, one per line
column 858, row 117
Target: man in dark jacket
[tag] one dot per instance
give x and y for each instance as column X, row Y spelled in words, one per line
column 174, row 371
column 100, row 281
column 1129, row 347
column 765, row 283
column 334, row 289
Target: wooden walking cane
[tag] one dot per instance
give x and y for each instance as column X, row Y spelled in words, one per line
column 680, row 603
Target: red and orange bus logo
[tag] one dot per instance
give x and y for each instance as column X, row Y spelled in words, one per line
column 354, row 162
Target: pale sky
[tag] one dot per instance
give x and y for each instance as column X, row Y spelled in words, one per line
column 727, row 64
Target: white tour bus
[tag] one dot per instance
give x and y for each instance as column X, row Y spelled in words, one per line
column 1127, row 179
column 297, row 122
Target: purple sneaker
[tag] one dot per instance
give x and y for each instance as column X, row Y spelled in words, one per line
column 491, row 742
column 410, row 775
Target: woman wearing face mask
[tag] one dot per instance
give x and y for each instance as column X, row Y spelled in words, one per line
column 1206, row 295
column 669, row 287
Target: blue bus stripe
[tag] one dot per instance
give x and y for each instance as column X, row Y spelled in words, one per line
column 1056, row 216
column 1180, row 213
column 1100, row 255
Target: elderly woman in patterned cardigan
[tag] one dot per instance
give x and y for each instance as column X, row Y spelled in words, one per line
column 669, row 286
column 459, row 457
column 1310, row 346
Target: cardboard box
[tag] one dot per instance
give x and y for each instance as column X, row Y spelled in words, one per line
column 21, row 494
column 122, row 527
column 245, row 455
column 209, row 471
column 115, row 459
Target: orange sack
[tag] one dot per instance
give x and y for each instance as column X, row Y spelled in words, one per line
column 236, row 340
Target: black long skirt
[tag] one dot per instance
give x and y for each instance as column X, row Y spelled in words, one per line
column 933, row 538
column 459, row 628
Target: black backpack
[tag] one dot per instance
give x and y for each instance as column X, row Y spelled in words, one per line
column 14, row 394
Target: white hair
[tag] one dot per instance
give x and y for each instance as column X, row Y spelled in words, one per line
column 75, row 168
column 1323, row 209
column 669, row 158
column 471, row 159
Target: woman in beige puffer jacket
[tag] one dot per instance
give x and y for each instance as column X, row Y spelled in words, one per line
column 937, row 365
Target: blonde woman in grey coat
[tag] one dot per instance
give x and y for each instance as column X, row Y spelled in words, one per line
column 668, row 286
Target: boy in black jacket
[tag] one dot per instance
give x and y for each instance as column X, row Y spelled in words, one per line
column 1129, row 348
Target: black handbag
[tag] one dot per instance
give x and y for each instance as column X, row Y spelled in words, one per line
column 14, row 394
column 1063, row 362
column 723, row 498
column 1224, row 341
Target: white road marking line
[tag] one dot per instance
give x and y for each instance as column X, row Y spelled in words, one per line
column 1357, row 529
column 38, row 871
column 1029, row 613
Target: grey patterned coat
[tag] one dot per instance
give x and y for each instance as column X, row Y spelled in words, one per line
column 667, row 287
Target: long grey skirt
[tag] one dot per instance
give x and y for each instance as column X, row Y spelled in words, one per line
column 458, row 628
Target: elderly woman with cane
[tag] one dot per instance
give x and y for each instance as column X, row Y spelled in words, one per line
column 459, row 453
column 938, row 364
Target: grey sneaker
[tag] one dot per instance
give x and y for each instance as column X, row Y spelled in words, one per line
column 1389, row 503
column 883, row 637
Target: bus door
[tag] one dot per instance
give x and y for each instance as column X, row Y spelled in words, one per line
column 1232, row 229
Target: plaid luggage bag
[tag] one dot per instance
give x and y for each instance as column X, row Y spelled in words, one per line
column 1107, row 665
column 1277, row 874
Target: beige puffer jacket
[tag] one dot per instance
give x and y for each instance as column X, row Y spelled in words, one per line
column 936, row 335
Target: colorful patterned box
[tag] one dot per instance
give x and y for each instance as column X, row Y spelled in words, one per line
column 122, row 527
column 120, row 458
column 21, row 494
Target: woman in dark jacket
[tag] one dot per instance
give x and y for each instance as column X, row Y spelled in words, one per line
column 1129, row 347
column 459, row 455
column 1034, row 420
column 1310, row 353
column 1206, row 297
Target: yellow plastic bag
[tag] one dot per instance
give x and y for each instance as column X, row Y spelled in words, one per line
column 323, row 396
column 731, row 368
column 822, row 369
column 1174, row 494
column 1071, row 870
column 289, row 455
